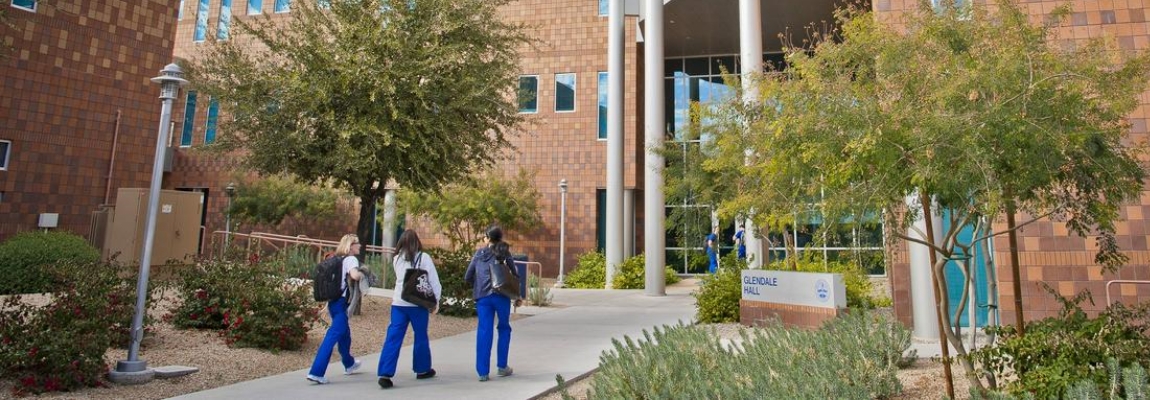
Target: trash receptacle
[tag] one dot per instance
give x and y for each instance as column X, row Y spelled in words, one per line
column 521, row 268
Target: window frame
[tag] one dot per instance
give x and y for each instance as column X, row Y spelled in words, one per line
column 6, row 154
column 224, row 21
column 188, row 130
column 601, row 105
column 200, row 30
column 574, row 92
column 258, row 9
column 20, row 7
column 276, row 6
column 519, row 102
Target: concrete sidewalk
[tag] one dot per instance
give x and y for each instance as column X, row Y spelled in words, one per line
column 565, row 340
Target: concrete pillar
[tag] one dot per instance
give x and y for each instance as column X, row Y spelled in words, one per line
column 923, row 308
column 628, row 223
column 615, row 106
column 654, row 129
column 389, row 221
column 751, row 63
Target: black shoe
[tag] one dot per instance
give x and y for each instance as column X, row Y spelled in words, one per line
column 426, row 375
column 385, row 382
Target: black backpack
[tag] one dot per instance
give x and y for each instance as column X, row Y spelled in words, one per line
column 327, row 279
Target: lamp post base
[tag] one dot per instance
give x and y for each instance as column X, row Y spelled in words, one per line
column 131, row 373
column 560, row 284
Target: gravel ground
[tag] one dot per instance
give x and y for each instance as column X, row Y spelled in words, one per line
column 221, row 365
column 921, row 380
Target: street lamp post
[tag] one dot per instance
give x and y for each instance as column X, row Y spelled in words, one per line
column 562, row 228
column 230, row 191
column 135, row 370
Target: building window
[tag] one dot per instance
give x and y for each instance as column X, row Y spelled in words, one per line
column 201, row 22
column 602, row 105
column 600, row 219
column 189, row 119
column 564, row 92
column 324, row 4
column 5, row 151
column 180, row 12
column 213, row 120
column 604, row 7
column 255, row 7
column 861, row 243
column 29, row 5
column 528, row 94
column 283, row 6
column 225, row 24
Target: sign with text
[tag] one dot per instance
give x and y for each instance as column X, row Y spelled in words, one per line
column 797, row 288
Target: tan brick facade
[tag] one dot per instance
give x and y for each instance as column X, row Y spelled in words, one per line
column 74, row 90
column 753, row 313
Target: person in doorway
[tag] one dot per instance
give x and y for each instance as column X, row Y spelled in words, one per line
column 409, row 254
column 490, row 304
column 741, row 242
column 339, row 333
column 712, row 248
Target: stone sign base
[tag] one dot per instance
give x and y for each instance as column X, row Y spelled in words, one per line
column 752, row 313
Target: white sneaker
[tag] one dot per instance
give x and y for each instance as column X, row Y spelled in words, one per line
column 354, row 367
column 317, row 379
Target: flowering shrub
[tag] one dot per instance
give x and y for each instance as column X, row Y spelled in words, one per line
column 60, row 346
column 248, row 303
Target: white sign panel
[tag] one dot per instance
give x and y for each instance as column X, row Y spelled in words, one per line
column 797, row 288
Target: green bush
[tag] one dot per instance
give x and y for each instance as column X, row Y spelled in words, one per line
column 633, row 274
column 1124, row 383
column 853, row 357
column 538, row 296
column 24, row 256
column 590, row 272
column 1060, row 351
column 457, row 294
column 249, row 303
column 717, row 300
column 61, row 346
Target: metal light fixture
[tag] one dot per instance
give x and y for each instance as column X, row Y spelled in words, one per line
column 562, row 228
column 135, row 370
column 229, row 191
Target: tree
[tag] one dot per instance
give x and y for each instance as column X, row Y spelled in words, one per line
column 464, row 210
column 272, row 199
column 363, row 93
column 973, row 108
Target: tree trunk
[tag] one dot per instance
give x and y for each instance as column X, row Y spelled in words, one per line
column 363, row 229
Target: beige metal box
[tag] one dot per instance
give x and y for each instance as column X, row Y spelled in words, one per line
column 177, row 226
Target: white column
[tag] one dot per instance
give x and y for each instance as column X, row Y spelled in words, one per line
column 751, row 63
column 654, row 129
column 628, row 223
column 389, row 221
column 923, row 309
column 615, row 106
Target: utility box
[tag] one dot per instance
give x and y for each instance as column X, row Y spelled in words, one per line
column 177, row 233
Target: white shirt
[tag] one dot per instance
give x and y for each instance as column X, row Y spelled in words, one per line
column 349, row 263
column 401, row 265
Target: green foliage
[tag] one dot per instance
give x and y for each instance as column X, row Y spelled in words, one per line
column 23, row 259
column 294, row 261
column 1059, row 351
column 457, row 294
column 464, row 210
column 366, row 94
column 271, row 199
column 717, row 300
column 590, row 272
column 537, row 295
column 854, row 357
column 61, row 346
column 858, row 284
column 1123, row 383
column 250, row 304
column 633, row 274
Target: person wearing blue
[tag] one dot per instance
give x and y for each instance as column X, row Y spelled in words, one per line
column 713, row 251
column 409, row 254
column 740, row 242
column 490, row 304
column 339, row 333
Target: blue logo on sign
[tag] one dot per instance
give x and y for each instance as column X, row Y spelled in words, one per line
column 822, row 290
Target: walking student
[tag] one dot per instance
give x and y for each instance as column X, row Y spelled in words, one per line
column 339, row 333
column 409, row 254
column 490, row 304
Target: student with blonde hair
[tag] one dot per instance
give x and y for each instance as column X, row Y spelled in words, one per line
column 339, row 333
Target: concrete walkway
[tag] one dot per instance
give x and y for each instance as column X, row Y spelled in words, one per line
column 565, row 340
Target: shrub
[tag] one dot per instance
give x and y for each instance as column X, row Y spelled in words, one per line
column 717, row 299
column 457, row 294
column 61, row 346
column 633, row 274
column 858, row 284
column 854, row 357
column 590, row 272
column 1130, row 381
column 24, row 256
column 251, row 305
column 538, row 296
column 1059, row 351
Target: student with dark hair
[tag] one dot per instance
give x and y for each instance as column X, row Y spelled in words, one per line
column 490, row 304
column 409, row 254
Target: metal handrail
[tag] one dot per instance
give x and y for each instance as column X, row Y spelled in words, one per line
column 1120, row 281
column 528, row 264
column 278, row 242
